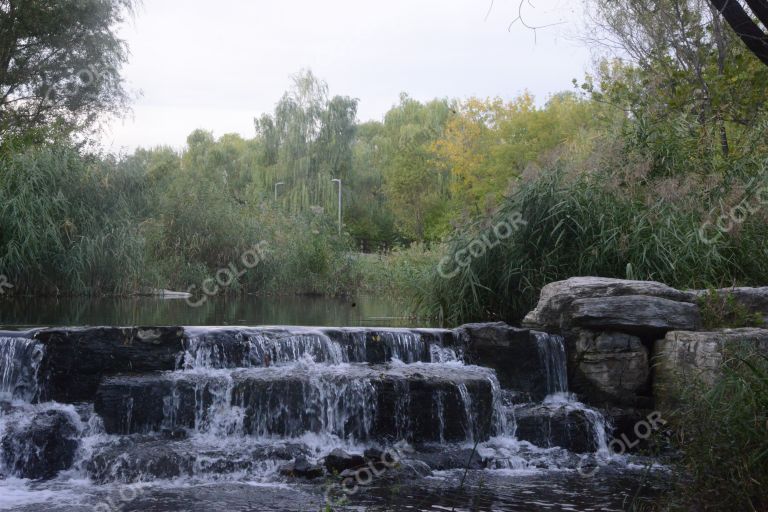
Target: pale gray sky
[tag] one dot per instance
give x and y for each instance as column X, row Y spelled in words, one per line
column 217, row 65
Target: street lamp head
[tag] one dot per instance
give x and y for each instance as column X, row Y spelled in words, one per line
column 336, row 180
column 279, row 183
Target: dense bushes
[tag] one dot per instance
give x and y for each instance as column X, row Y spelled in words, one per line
column 73, row 224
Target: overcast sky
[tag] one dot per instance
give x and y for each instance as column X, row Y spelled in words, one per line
column 217, row 65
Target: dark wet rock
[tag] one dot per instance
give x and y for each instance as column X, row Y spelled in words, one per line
column 609, row 368
column 641, row 314
column 338, row 461
column 696, row 358
column 76, row 359
column 547, row 425
column 447, row 458
column 514, row 353
column 301, row 468
column 39, row 444
column 554, row 311
column 131, row 461
column 146, row 457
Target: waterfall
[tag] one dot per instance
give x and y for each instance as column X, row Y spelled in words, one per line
column 552, row 355
column 248, row 347
column 20, row 360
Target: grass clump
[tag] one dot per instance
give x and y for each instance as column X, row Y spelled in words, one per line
column 722, row 435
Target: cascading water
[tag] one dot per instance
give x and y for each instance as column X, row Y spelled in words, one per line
column 552, row 354
column 20, row 360
column 244, row 402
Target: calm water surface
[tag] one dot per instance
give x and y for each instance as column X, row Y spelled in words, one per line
column 249, row 310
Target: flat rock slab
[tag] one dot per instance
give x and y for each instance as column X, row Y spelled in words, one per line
column 753, row 300
column 554, row 309
column 642, row 314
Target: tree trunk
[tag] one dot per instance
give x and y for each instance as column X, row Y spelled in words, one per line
column 741, row 23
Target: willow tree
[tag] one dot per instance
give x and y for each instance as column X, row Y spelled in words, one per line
column 306, row 142
column 60, row 64
column 416, row 183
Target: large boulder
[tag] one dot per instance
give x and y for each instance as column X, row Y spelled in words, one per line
column 554, row 310
column 526, row 361
column 38, row 443
column 610, row 368
column 77, row 358
column 644, row 315
column 683, row 358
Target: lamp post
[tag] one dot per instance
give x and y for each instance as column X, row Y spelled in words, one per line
column 339, row 182
column 276, row 185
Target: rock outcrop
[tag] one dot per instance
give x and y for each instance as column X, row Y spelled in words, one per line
column 696, row 357
column 610, row 367
column 554, row 312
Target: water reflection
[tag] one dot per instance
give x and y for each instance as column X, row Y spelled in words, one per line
column 248, row 310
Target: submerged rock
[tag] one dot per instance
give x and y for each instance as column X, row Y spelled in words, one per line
column 39, row 444
column 451, row 458
column 547, row 425
column 338, row 461
column 301, row 468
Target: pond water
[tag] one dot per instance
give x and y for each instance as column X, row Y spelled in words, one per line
column 243, row 310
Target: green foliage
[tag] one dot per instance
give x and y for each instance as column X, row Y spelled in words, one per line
column 59, row 65
column 416, row 187
column 66, row 223
column 723, row 439
column 594, row 223
column 720, row 310
column 401, row 273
